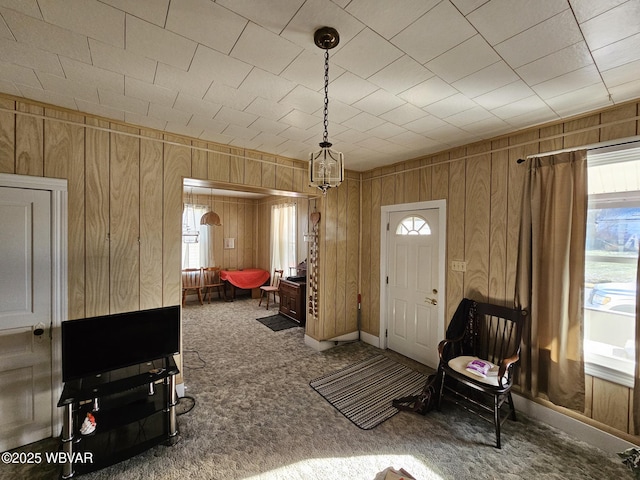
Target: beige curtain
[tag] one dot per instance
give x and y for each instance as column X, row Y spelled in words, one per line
column 550, row 277
column 636, row 386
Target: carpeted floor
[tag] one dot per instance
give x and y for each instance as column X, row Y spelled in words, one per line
column 256, row 417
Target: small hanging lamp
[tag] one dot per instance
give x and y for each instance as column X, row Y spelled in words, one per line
column 211, row 217
column 326, row 166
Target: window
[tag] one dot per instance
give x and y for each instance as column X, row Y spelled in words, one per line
column 283, row 237
column 413, row 225
column 197, row 244
column 613, row 233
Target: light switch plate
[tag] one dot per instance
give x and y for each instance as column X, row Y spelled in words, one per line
column 458, row 266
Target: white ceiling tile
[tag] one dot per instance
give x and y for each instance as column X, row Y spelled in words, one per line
column 169, row 114
column 100, row 110
column 265, row 49
column 378, row 102
column 389, row 18
column 303, row 99
column 366, row 54
column 308, row 70
column 206, row 22
column 216, row 137
column 27, row 56
column 298, row 134
column 568, row 82
column 424, row 125
column 212, row 65
column 48, row 96
column 504, row 95
column 300, row 119
column 268, row 109
column 447, row 134
column 544, row 38
column 440, row 29
column 558, row 63
column 350, row 88
column 363, row 122
column 91, row 75
column 350, row 135
column 122, row 61
column 151, row 41
column 586, row 9
column 468, row 57
column 268, row 141
column 180, row 129
column 486, row 80
column 617, row 54
column 522, row 107
column 386, row 130
column 269, row 126
column 379, row 145
column 192, row 83
column 27, row 7
column 46, row 36
column 450, row 106
column 235, row 117
column 273, row 15
column 266, row 85
column 196, row 105
column 401, row 75
column 4, row 30
column 404, row 114
column 428, row 92
column 318, row 13
column 468, row 6
column 18, row 74
column 598, row 32
column 205, row 122
column 412, row 139
column 621, row 75
column 488, row 127
column 89, row 17
column 69, row 88
column 147, row 91
column 230, row 97
column 154, row 11
column 145, row 121
column 123, row 102
column 585, row 99
column 240, row 132
column 625, row 91
column 499, row 20
column 338, row 111
column 470, row 116
column 9, row 88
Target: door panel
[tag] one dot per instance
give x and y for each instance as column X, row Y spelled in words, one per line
column 413, row 283
column 25, row 305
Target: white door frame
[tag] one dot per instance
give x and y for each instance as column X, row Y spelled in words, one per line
column 59, row 289
column 441, row 206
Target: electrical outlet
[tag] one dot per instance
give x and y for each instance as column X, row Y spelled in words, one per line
column 459, row 266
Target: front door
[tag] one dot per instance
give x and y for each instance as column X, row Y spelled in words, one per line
column 413, row 296
column 25, row 317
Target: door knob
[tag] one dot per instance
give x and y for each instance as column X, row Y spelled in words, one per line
column 38, row 329
column 432, row 301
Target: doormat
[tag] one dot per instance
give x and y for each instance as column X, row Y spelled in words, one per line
column 363, row 392
column 278, row 322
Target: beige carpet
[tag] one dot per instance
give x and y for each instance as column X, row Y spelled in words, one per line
column 256, row 417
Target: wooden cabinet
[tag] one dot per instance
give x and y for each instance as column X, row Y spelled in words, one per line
column 292, row 299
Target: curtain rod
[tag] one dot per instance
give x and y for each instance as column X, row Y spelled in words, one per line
column 595, row 146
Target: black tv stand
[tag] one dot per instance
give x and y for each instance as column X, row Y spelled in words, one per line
column 134, row 409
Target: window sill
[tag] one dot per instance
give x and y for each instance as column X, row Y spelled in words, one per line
column 600, row 361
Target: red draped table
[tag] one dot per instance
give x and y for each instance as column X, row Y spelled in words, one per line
column 246, row 279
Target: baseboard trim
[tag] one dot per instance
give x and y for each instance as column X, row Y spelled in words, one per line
column 571, row 426
column 370, row 339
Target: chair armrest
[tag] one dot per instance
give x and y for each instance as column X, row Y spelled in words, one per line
column 505, row 365
column 448, row 341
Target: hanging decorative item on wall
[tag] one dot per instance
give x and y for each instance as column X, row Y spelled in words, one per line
column 314, row 217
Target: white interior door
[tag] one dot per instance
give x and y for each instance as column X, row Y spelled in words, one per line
column 25, row 317
column 413, row 296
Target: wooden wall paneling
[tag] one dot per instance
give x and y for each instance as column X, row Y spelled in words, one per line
column 498, row 225
column 553, row 134
column 284, row 174
column 269, row 171
column 250, row 241
column 440, row 177
column 29, row 141
column 330, row 267
column 236, row 165
column 253, row 169
column 620, row 130
column 588, row 396
column 219, row 163
column 218, row 233
column 387, row 190
column 241, row 242
column 365, row 255
column 412, row 181
column 96, row 223
column 374, row 261
column 424, row 175
column 399, row 187
column 7, row 136
column 477, row 220
column 342, row 261
column 233, row 231
column 200, row 160
column 151, row 214
column 455, row 236
column 124, row 221
column 581, row 138
column 611, row 404
column 352, row 240
column 176, row 166
column 64, row 157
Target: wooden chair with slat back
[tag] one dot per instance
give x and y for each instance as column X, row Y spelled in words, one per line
column 491, row 333
column 273, row 288
column 191, row 282
column 211, row 280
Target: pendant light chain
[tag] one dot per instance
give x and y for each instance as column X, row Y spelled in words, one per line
column 325, row 138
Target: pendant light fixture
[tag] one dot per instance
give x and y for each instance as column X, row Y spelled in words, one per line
column 211, row 217
column 326, row 166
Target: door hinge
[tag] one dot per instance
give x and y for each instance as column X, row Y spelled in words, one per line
column 387, row 279
column 387, row 226
column 386, row 333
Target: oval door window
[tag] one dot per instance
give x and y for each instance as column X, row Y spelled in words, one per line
column 413, row 225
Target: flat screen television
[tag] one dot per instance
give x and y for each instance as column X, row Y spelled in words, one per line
column 91, row 346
